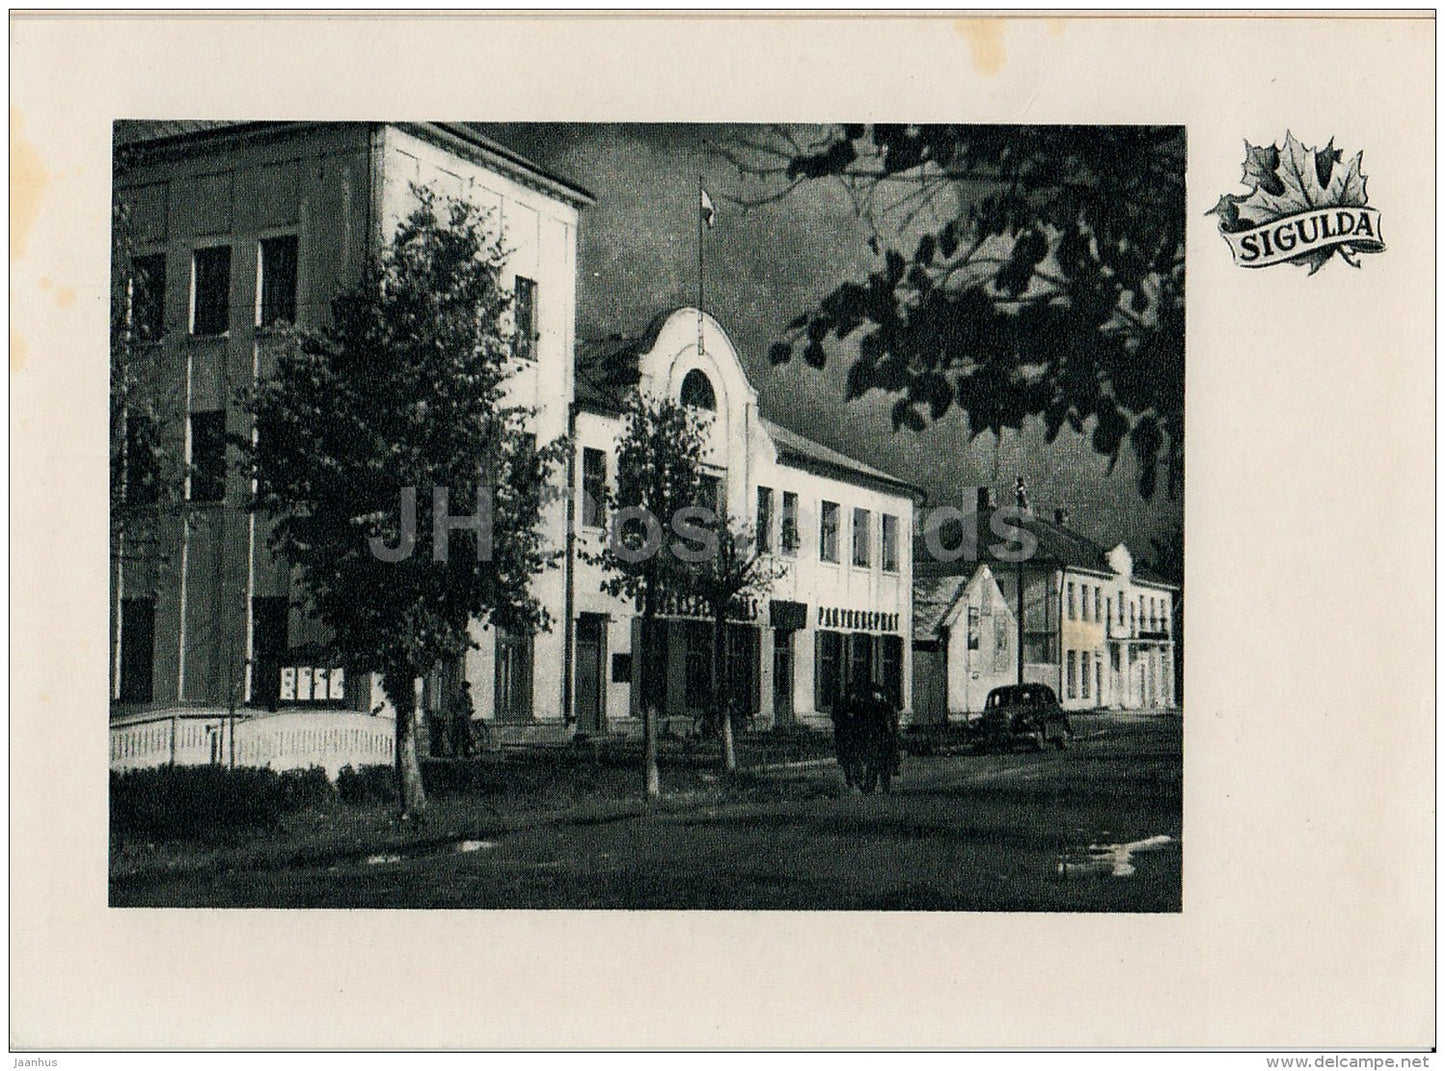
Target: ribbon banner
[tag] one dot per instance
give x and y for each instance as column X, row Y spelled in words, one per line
column 1296, row 236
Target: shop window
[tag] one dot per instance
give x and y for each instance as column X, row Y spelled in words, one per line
column 699, row 665
column 860, row 661
column 211, row 291
column 827, row 670
column 890, row 668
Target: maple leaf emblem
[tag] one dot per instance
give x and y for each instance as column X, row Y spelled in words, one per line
column 1290, row 182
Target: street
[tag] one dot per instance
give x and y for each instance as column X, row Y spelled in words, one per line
column 1007, row 832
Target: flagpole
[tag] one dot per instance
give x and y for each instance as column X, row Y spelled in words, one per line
column 698, row 212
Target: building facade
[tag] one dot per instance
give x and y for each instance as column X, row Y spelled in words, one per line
column 240, row 227
column 1097, row 628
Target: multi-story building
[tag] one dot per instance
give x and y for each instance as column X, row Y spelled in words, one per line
column 1097, row 627
column 239, row 227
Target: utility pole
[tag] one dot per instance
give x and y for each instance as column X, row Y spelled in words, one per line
column 1023, row 504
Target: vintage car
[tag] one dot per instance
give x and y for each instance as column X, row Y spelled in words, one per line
column 1021, row 713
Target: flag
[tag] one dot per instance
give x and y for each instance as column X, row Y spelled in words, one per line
column 708, row 211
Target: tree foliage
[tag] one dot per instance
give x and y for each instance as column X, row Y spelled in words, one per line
column 1023, row 271
column 406, row 388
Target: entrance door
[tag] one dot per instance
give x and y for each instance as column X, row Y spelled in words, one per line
column 782, row 677
column 591, row 657
column 514, row 676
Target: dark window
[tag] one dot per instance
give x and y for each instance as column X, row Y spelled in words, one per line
column 211, row 270
column 890, row 543
column 269, row 640
column 828, row 532
column 1071, row 688
column 137, row 649
column 699, row 664
column 524, row 342
column 141, row 478
column 513, row 675
column 827, row 670
column 709, row 494
column 1071, row 600
column 742, row 653
column 1098, row 596
column 765, row 519
column 791, row 539
column 862, row 537
column 278, row 280
column 148, row 297
column 890, row 668
column 594, row 487
column 697, row 391
column 208, row 456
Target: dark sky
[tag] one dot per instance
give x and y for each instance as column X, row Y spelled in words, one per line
column 638, row 256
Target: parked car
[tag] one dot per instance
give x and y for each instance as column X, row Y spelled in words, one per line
column 1021, row 713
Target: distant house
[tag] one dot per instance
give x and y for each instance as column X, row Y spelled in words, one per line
column 1098, row 628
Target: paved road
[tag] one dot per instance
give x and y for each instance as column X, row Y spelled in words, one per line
column 959, row 832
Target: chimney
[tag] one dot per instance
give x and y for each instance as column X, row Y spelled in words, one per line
column 1061, row 517
column 985, row 499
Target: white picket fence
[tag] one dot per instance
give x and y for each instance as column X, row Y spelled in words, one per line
column 285, row 741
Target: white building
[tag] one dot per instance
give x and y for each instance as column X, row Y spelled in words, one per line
column 1097, row 628
column 242, row 225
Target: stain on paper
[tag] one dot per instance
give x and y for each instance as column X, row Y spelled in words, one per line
column 27, row 186
column 985, row 43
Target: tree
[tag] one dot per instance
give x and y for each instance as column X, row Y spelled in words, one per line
column 401, row 394
column 1028, row 271
column 143, row 472
column 735, row 569
column 659, row 474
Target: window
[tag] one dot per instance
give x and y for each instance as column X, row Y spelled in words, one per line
column 828, row 532
column 1084, row 674
column 1072, row 614
column 142, row 484
column 1108, row 610
column 709, row 494
column 742, row 668
column 1098, row 595
column 790, row 537
column 513, row 684
column 1121, row 607
column 973, row 628
column 137, row 649
column 208, row 456
column 1083, row 602
column 1131, row 617
column 860, row 660
column 889, row 553
column 594, row 487
column 278, row 281
column 211, row 291
column 524, row 338
column 862, row 538
column 765, row 519
column 269, row 642
column 1072, row 677
column 890, row 668
column 697, row 391
column 148, row 297
column 699, row 664
column 1000, row 644
column 827, row 676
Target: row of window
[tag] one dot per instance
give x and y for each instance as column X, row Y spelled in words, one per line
column 775, row 530
column 1084, row 674
column 1149, row 613
column 277, row 258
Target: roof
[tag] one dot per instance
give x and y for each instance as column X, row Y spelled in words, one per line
column 933, row 597
column 609, row 367
column 132, row 133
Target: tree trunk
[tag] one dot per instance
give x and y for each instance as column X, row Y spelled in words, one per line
column 401, row 690
column 647, row 666
column 720, row 689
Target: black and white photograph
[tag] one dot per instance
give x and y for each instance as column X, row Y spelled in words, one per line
column 647, row 516
column 664, row 531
